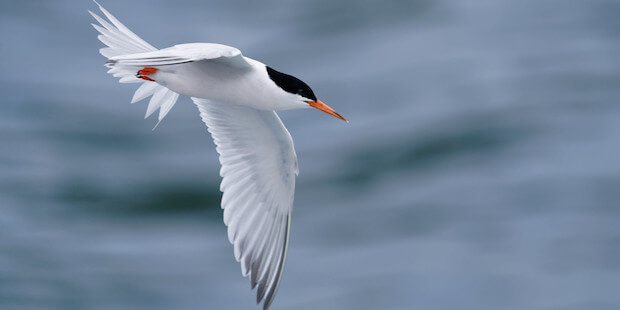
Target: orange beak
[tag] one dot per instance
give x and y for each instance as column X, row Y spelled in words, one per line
column 325, row 108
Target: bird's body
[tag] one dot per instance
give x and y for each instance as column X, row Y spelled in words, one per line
column 197, row 70
column 237, row 97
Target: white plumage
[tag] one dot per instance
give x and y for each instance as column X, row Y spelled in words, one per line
column 258, row 170
column 236, row 97
column 122, row 41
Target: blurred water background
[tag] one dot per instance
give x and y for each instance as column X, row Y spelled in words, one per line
column 479, row 170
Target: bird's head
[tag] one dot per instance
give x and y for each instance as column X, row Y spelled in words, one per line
column 301, row 90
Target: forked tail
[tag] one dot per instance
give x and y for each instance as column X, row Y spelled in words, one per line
column 122, row 41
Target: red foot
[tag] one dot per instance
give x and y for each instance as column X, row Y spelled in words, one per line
column 142, row 73
column 146, row 78
column 147, row 71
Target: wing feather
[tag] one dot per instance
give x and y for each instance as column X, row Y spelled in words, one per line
column 258, row 170
column 179, row 54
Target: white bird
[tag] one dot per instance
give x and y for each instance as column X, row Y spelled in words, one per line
column 237, row 97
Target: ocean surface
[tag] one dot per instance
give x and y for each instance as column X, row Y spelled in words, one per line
column 480, row 169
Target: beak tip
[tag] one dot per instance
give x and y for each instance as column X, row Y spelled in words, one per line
column 325, row 108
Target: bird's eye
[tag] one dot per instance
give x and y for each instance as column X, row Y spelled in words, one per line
column 300, row 91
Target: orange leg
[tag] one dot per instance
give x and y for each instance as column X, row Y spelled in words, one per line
column 142, row 73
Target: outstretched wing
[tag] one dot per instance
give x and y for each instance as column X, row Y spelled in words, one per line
column 184, row 53
column 258, row 170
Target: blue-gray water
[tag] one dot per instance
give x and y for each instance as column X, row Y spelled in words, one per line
column 479, row 171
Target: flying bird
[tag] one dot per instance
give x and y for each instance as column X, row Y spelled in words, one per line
column 237, row 97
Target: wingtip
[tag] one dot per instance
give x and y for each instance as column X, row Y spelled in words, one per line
column 260, row 292
column 156, row 125
column 267, row 303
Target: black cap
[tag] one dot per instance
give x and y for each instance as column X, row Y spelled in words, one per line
column 291, row 84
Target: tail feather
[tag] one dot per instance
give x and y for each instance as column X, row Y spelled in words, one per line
column 144, row 91
column 122, row 31
column 122, row 41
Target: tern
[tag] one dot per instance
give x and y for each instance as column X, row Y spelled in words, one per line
column 237, row 97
